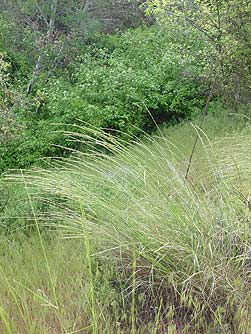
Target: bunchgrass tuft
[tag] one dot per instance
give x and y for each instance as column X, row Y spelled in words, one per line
column 161, row 253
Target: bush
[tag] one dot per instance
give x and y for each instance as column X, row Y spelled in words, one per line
column 121, row 82
column 146, row 73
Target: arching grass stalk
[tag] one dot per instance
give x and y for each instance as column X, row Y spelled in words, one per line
column 5, row 322
column 134, row 280
column 12, row 293
column 90, row 269
column 157, row 319
column 43, row 250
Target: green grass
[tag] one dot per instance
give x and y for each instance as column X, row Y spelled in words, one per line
column 123, row 243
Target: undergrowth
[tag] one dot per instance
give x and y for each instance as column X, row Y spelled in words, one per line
column 127, row 244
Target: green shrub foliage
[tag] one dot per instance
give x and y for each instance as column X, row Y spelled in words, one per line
column 121, row 82
column 146, row 73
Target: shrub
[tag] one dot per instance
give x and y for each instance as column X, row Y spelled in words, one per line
column 146, row 72
column 120, row 83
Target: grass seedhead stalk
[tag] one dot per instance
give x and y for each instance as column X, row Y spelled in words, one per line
column 43, row 250
column 134, row 283
column 89, row 261
column 5, row 322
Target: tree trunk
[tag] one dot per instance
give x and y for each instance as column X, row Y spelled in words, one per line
column 85, row 5
column 35, row 73
column 49, row 33
column 54, row 4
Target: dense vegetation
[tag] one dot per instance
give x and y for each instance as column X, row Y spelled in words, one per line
column 140, row 221
column 141, row 74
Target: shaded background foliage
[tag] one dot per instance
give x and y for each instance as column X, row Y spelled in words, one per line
column 115, row 66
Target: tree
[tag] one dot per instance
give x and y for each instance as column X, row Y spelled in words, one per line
column 9, row 99
column 53, row 32
column 46, row 30
column 225, row 25
column 51, row 26
column 119, row 14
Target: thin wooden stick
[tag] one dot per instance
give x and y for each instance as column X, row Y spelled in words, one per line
column 209, row 98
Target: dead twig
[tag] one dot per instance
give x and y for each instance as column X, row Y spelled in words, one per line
column 209, row 98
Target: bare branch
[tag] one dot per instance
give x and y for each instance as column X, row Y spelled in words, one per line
column 85, row 5
column 209, row 98
column 42, row 13
column 38, row 65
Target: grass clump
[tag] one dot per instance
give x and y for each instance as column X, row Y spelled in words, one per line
column 158, row 253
